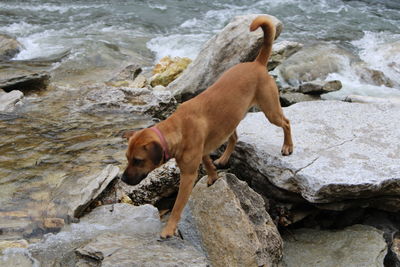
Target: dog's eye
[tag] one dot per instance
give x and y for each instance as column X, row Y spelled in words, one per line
column 137, row 161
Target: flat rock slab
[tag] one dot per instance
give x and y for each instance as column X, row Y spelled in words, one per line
column 358, row 245
column 342, row 150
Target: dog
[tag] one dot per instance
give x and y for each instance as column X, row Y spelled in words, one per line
column 203, row 123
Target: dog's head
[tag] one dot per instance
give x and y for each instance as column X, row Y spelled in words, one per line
column 144, row 154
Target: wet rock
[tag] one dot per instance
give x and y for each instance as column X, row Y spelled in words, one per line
column 9, row 47
column 357, row 245
column 140, row 82
column 8, row 101
column 168, row 69
column 281, row 51
column 230, row 220
column 160, row 183
column 140, row 101
column 141, row 250
column 317, row 88
column 234, row 44
column 372, row 100
column 18, row 257
column 23, row 80
column 343, row 153
column 289, row 98
column 313, row 63
column 76, row 195
column 114, row 235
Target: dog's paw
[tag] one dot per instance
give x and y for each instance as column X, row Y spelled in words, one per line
column 168, row 232
column 287, row 150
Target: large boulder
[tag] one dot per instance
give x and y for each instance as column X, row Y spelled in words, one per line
column 357, row 245
column 281, row 51
column 234, row 44
column 9, row 47
column 344, row 152
column 228, row 220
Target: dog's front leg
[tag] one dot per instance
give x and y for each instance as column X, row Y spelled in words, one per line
column 185, row 188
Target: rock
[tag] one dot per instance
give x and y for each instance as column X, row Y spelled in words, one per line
column 395, row 250
column 372, row 100
column 234, row 44
column 129, row 73
column 168, row 69
column 140, row 82
column 232, row 223
column 357, row 245
column 18, row 257
column 76, row 195
column 9, row 47
column 289, row 98
column 320, row 87
column 140, row 101
column 53, row 224
column 313, row 63
column 24, row 80
column 121, row 250
column 281, row 51
column 160, row 183
column 8, row 101
column 343, row 152
column 371, row 76
column 22, row 243
column 114, row 235
column 159, row 88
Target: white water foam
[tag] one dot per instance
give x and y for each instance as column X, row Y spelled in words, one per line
column 177, row 45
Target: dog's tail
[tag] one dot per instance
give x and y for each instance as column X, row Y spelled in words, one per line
column 269, row 36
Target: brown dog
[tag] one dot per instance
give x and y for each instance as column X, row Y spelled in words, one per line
column 202, row 124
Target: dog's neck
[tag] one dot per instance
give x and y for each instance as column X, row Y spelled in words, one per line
column 163, row 142
column 171, row 136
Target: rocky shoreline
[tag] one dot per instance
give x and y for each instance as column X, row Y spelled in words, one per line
column 338, row 194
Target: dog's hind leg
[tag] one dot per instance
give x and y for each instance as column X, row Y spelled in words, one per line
column 211, row 170
column 268, row 100
column 223, row 160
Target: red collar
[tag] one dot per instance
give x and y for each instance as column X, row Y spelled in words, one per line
column 163, row 142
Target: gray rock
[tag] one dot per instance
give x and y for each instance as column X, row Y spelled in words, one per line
column 234, row 44
column 140, row 101
column 9, row 47
column 24, row 75
column 343, row 152
column 317, row 88
column 232, row 224
column 129, row 73
column 113, row 250
column 76, row 195
column 117, row 219
column 18, row 257
column 313, row 63
column 281, row 51
column 357, row 245
column 8, row 101
column 371, row 76
column 289, row 98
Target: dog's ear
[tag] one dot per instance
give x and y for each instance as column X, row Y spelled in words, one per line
column 155, row 152
column 128, row 134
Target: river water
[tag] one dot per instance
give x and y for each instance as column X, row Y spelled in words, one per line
column 48, row 140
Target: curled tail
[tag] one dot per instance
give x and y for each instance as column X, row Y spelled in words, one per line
column 269, row 36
